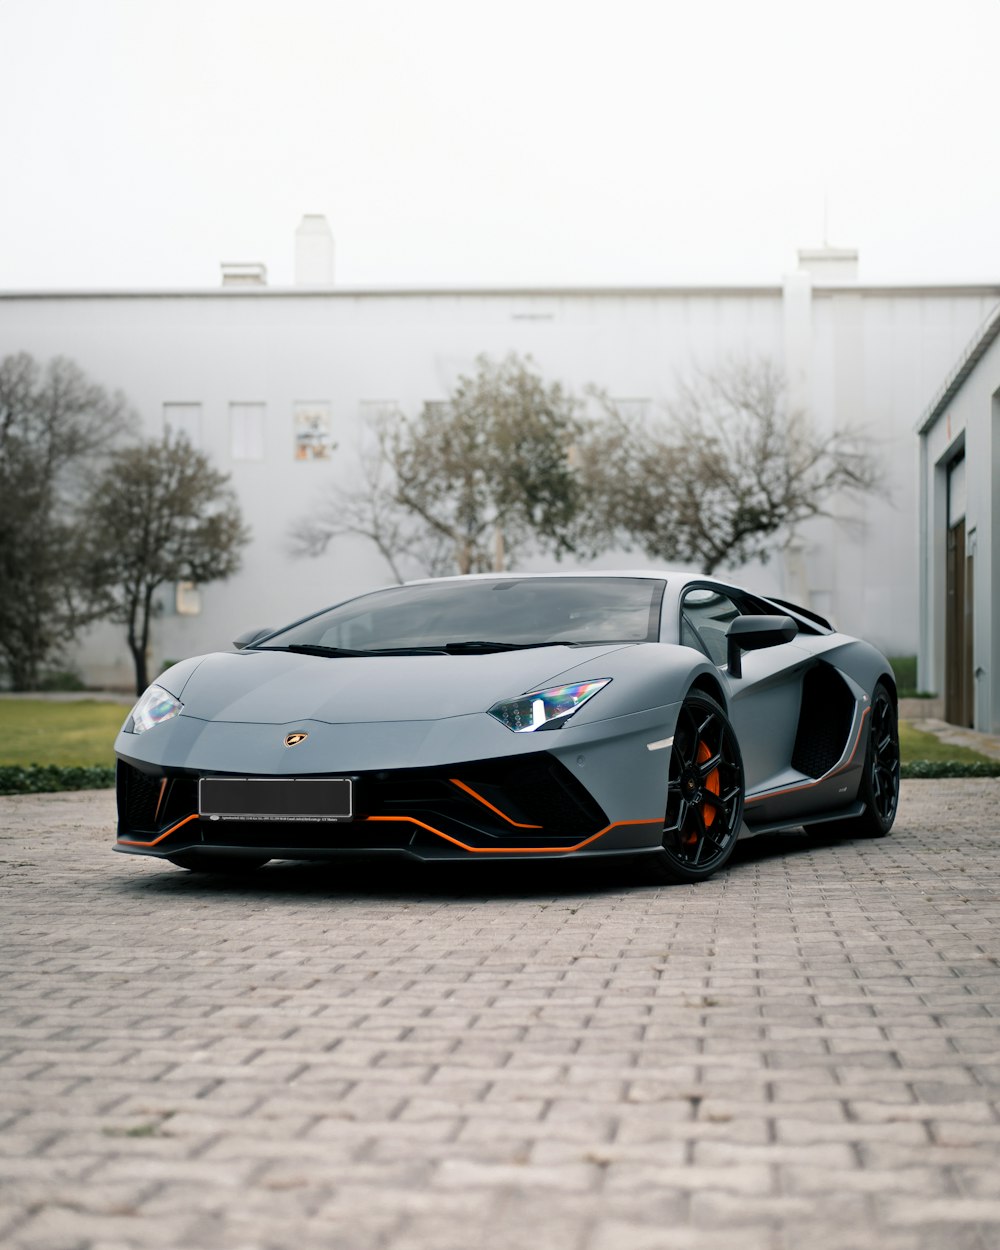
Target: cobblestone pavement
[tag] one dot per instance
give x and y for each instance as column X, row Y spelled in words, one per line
column 801, row 1054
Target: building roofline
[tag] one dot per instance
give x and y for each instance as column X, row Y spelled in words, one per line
column 906, row 288
column 297, row 292
column 977, row 347
column 820, row 289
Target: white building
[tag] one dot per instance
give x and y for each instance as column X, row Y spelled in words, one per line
column 960, row 536
column 274, row 384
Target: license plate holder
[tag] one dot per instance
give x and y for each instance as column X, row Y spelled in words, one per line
column 276, row 798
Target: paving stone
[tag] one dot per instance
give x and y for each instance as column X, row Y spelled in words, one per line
column 800, row 1052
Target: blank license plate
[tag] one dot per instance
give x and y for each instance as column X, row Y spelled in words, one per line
column 275, row 798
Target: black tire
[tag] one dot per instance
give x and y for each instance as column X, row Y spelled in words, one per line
column 879, row 788
column 194, row 861
column 705, row 791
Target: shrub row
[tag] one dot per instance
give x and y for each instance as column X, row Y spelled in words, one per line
column 951, row 768
column 40, row 778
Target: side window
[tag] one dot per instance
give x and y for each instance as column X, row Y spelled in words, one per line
column 705, row 617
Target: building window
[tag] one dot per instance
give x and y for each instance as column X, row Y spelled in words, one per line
column 187, row 599
column 246, row 431
column 183, row 419
column 311, row 426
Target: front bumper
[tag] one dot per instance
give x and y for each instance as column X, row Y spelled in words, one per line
column 599, row 791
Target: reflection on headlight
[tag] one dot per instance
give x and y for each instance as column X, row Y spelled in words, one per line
column 155, row 706
column 545, row 708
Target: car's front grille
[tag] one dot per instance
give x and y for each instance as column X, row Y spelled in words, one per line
column 148, row 802
column 138, row 796
column 534, row 796
column 516, row 800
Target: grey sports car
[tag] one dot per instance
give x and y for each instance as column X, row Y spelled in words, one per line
column 649, row 714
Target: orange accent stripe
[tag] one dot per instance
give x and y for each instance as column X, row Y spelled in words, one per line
column 159, row 800
column 166, row 834
column 469, row 790
column 807, row 785
column 476, row 850
column 517, row 850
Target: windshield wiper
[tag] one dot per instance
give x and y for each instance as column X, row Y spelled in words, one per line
column 311, row 648
column 315, row 648
column 474, row 645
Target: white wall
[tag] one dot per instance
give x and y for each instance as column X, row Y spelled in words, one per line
column 970, row 421
column 861, row 354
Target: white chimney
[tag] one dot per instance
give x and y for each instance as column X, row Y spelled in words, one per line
column 313, row 252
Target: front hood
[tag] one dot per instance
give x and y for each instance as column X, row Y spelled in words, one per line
column 276, row 687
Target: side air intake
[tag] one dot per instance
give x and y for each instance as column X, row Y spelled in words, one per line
column 824, row 721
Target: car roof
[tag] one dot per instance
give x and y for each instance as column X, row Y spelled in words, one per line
column 660, row 575
column 675, row 577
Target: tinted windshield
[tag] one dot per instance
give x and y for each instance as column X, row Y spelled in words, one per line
column 512, row 610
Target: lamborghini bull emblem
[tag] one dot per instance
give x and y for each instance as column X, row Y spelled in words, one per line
column 293, row 740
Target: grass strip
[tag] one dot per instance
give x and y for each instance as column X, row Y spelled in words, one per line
column 918, row 745
column 40, row 731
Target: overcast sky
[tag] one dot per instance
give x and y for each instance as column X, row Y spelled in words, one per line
column 462, row 143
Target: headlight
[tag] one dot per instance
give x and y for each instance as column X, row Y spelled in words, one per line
column 545, row 709
column 155, row 706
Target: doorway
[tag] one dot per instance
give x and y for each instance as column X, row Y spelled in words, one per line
column 959, row 688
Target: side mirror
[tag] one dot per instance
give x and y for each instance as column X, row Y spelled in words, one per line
column 753, row 633
column 250, row 637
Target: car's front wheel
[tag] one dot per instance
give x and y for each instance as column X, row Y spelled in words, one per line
column 194, row 861
column 705, row 792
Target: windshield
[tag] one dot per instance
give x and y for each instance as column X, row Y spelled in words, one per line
column 510, row 611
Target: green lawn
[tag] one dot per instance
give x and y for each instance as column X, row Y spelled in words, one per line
column 914, row 745
column 36, row 731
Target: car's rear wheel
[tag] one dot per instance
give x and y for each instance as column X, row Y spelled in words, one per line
column 194, row 861
column 704, row 794
column 879, row 788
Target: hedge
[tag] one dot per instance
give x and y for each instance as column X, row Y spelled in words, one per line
column 950, row 768
column 41, row 778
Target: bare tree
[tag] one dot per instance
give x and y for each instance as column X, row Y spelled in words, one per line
column 731, row 469
column 158, row 514
column 466, row 485
column 371, row 509
column 55, row 424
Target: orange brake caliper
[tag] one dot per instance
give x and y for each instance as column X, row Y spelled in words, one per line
column 711, row 782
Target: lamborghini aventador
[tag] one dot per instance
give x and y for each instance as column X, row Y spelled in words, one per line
column 656, row 715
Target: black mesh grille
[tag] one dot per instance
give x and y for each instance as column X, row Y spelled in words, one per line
column 495, row 796
column 824, row 721
column 535, row 789
column 138, row 796
column 146, row 805
column 514, row 800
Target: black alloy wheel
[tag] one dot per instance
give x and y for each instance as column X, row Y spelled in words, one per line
column 705, row 792
column 882, row 761
column 879, row 787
